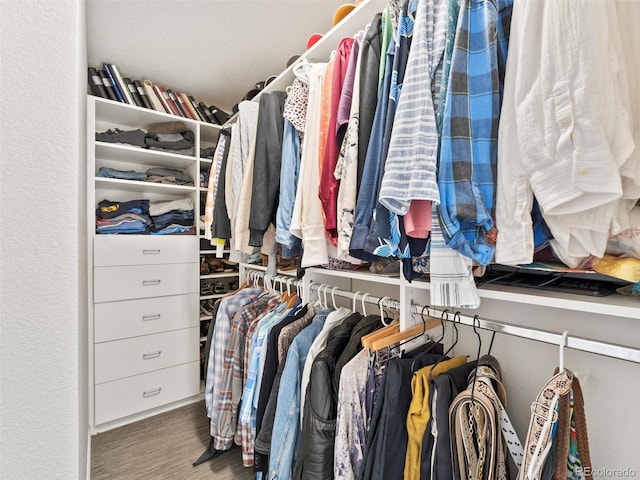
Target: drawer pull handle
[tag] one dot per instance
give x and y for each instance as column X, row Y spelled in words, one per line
column 148, row 283
column 147, row 356
column 151, row 252
column 155, row 316
column 150, row 393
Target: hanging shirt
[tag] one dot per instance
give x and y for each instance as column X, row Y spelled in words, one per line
column 230, row 389
column 567, row 128
column 328, row 187
column 227, row 309
column 306, row 220
column 347, row 168
column 368, row 192
column 351, row 418
column 466, row 174
column 410, row 171
column 242, row 139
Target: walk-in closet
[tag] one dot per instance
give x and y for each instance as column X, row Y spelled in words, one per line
column 387, row 239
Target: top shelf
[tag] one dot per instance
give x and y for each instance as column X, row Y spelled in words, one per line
column 117, row 113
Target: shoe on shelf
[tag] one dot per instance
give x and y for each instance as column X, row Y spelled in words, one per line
column 219, row 288
column 204, row 327
column 205, row 308
column 233, row 286
column 206, row 289
column 204, row 267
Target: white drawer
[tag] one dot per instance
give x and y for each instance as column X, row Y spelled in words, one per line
column 124, row 283
column 114, row 400
column 133, row 356
column 113, row 250
column 132, row 318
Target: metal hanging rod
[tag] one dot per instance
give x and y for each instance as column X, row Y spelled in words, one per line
column 612, row 350
column 386, row 302
column 620, row 352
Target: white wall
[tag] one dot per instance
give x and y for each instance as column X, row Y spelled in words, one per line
column 43, row 427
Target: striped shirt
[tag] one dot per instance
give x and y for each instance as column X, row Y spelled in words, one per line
column 410, row 169
column 468, row 157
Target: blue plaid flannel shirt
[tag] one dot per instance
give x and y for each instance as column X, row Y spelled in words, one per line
column 469, row 145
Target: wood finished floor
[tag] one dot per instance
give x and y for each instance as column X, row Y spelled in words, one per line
column 163, row 447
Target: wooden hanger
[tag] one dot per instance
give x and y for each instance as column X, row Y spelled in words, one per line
column 368, row 339
column 392, row 339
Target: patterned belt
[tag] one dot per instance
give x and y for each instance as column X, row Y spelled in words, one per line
column 481, row 430
column 543, row 416
column 564, row 435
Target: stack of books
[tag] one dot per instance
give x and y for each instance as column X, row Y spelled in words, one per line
column 108, row 82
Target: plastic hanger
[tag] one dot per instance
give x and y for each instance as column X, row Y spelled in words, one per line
column 301, row 70
column 333, row 297
column 539, row 456
column 563, row 343
column 380, row 304
column 355, row 298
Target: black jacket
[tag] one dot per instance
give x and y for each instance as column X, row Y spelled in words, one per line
column 315, row 460
column 266, row 165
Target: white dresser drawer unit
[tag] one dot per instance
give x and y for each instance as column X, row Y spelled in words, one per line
column 132, row 318
column 114, row 250
column 118, row 399
column 133, row 356
column 124, row 283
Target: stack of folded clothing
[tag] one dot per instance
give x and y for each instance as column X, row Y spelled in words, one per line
column 130, row 137
column 172, row 176
column 172, row 137
column 175, row 216
column 123, row 217
column 167, row 175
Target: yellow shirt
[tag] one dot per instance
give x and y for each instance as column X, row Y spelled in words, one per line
column 419, row 412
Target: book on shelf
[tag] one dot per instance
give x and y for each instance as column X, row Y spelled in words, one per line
column 114, row 83
column 146, row 103
column 198, row 108
column 175, row 101
column 169, row 103
column 207, row 113
column 108, row 86
column 153, row 96
column 133, row 91
column 122, row 84
column 96, row 86
column 159, row 89
column 186, row 105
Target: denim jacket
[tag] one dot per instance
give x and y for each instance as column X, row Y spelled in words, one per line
column 286, row 425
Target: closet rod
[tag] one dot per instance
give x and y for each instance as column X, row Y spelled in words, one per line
column 386, row 301
column 620, row 352
column 612, row 350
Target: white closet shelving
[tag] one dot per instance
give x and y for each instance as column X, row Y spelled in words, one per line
column 144, row 319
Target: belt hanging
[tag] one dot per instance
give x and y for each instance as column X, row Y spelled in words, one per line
column 543, row 416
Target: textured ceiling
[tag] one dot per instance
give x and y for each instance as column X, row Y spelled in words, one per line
column 214, row 50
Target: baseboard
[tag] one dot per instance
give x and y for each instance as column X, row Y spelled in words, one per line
column 147, row 413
